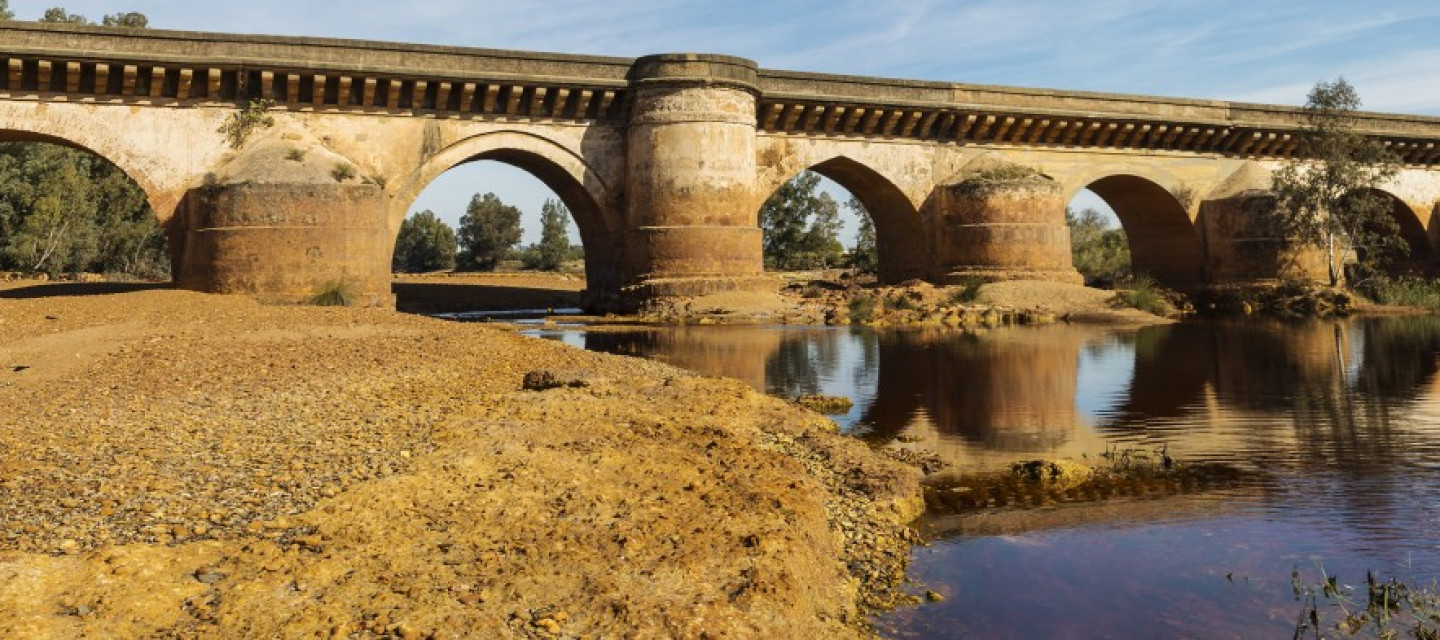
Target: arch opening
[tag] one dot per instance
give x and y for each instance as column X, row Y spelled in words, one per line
column 1158, row 232
column 65, row 208
column 868, row 203
column 1417, row 254
column 517, row 179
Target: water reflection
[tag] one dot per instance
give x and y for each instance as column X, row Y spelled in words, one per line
column 1338, row 421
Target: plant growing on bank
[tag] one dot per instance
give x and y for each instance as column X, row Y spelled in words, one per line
column 1326, row 197
column 239, row 126
column 1390, row 608
column 968, row 291
column 862, row 308
column 1406, row 292
column 1141, row 292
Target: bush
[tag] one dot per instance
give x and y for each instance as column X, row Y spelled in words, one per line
column 1407, row 292
column 968, row 292
column 1141, row 292
column 862, row 308
column 901, row 302
column 335, row 294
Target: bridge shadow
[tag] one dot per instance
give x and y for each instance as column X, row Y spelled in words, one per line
column 433, row 297
column 75, row 289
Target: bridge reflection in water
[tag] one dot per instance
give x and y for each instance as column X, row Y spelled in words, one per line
column 986, row 400
column 1333, row 426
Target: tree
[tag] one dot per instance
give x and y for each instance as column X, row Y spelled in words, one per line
column 425, row 244
column 1326, row 197
column 132, row 20
column 554, row 247
column 1100, row 253
column 801, row 227
column 5, row 12
column 865, row 257
column 488, row 231
column 58, row 14
column 67, row 210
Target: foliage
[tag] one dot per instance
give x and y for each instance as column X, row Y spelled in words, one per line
column 1326, row 197
column 1141, row 292
column 554, row 246
column 488, row 232
column 1100, row 253
column 968, row 292
column 1389, row 607
column 58, row 14
column 132, row 20
column 5, row 12
column 425, row 244
column 901, row 302
column 801, row 226
column 335, row 294
column 862, row 308
column 343, row 171
column 67, row 210
column 1407, row 292
column 865, row 257
column 239, row 125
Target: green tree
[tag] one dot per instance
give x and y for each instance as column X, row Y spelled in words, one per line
column 5, row 12
column 801, row 225
column 488, row 232
column 58, row 14
column 1326, row 197
column 1100, row 253
column 131, row 19
column 67, row 210
column 865, row 257
column 425, row 244
column 554, row 246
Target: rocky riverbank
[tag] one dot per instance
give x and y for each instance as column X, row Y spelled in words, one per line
column 182, row 465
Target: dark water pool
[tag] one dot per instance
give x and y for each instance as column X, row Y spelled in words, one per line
column 1332, row 428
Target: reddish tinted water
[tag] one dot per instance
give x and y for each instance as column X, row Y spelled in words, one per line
column 1333, row 426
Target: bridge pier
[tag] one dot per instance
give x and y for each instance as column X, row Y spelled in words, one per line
column 690, row 176
column 284, row 230
column 1243, row 250
column 1001, row 224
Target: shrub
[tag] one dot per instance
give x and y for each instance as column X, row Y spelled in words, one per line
column 901, row 302
column 862, row 308
column 239, row 125
column 1141, row 292
column 335, row 294
column 968, row 292
column 342, row 172
column 1408, row 292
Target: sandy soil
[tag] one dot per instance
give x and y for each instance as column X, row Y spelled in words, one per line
column 181, row 465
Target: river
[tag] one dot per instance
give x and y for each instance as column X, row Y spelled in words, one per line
column 1332, row 429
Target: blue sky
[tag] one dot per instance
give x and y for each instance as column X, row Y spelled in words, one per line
column 1271, row 51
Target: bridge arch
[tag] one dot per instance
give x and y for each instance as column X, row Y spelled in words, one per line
column 42, row 130
column 578, row 185
column 1162, row 236
column 900, row 235
column 1421, row 258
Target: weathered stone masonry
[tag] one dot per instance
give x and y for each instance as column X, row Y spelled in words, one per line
column 664, row 160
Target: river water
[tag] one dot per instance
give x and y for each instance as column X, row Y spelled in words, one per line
column 1331, row 431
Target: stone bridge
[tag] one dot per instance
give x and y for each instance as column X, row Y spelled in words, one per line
column 664, row 160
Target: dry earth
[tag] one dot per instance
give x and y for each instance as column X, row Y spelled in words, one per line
column 174, row 464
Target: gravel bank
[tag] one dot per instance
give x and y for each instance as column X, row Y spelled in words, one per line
column 185, row 465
